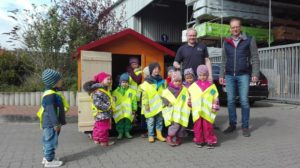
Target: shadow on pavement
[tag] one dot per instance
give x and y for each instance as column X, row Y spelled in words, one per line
column 259, row 122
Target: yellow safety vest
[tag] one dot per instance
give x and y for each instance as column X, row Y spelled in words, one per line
column 202, row 102
column 41, row 109
column 95, row 111
column 123, row 104
column 153, row 97
column 179, row 111
column 132, row 84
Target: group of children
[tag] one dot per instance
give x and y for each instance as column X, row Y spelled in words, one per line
column 167, row 102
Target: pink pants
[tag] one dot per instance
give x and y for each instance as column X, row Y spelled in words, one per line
column 204, row 132
column 100, row 131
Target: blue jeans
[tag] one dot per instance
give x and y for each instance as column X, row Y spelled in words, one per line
column 156, row 121
column 240, row 84
column 50, row 142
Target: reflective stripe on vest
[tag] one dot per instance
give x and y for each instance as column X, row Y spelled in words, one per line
column 155, row 101
column 95, row 111
column 179, row 111
column 41, row 109
column 202, row 102
column 123, row 104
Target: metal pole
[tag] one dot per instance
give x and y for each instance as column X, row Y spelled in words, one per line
column 222, row 24
column 270, row 19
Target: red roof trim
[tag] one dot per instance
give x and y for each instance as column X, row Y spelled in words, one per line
column 123, row 33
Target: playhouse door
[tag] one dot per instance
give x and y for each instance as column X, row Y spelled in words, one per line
column 91, row 63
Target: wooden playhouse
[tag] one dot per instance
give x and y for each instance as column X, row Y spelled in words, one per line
column 111, row 54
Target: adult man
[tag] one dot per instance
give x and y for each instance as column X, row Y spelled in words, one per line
column 238, row 56
column 192, row 54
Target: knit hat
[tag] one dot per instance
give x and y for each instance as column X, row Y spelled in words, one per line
column 189, row 71
column 101, row 76
column 133, row 60
column 170, row 69
column 124, row 77
column 202, row 69
column 152, row 66
column 176, row 75
column 50, row 77
column 146, row 71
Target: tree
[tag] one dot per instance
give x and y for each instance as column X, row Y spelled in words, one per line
column 49, row 38
column 89, row 20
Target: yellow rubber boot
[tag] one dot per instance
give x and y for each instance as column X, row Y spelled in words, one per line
column 151, row 139
column 159, row 136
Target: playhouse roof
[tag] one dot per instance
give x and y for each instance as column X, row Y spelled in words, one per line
column 116, row 36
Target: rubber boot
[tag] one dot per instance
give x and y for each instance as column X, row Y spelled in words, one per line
column 127, row 135
column 178, row 140
column 170, row 141
column 151, row 139
column 159, row 136
column 120, row 136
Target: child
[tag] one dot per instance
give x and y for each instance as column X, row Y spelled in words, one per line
column 141, row 89
column 189, row 77
column 177, row 113
column 126, row 106
column 102, row 107
column 135, row 73
column 52, row 116
column 170, row 70
column 205, row 104
column 152, row 103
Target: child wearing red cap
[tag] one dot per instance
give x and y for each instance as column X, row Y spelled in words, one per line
column 102, row 107
column 205, row 104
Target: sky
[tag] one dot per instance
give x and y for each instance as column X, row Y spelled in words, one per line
column 6, row 23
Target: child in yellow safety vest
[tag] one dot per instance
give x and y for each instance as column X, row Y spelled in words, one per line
column 205, row 104
column 189, row 77
column 135, row 73
column 126, row 106
column 52, row 116
column 176, row 113
column 152, row 104
column 102, row 107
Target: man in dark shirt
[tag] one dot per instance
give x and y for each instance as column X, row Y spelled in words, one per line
column 192, row 54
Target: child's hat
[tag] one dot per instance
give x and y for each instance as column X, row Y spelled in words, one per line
column 133, row 60
column 101, row 76
column 176, row 75
column 202, row 69
column 170, row 69
column 152, row 66
column 188, row 71
column 124, row 77
column 146, row 71
column 50, row 77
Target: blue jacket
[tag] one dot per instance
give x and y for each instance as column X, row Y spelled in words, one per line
column 240, row 60
column 54, row 113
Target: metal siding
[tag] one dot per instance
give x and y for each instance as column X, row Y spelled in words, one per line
column 131, row 7
column 154, row 27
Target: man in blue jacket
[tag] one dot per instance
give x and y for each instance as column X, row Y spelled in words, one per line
column 239, row 56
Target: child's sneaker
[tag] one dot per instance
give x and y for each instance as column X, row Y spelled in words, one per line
column 107, row 143
column 127, row 135
column 199, row 145
column 53, row 163
column 96, row 142
column 210, row 146
column 44, row 160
